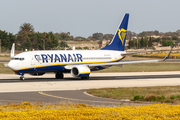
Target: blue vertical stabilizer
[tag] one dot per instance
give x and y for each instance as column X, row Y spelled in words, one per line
column 119, row 40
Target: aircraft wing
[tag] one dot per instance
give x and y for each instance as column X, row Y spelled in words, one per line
column 129, row 62
column 130, row 53
column 121, row 63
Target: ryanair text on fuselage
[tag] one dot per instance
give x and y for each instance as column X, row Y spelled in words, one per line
column 53, row 58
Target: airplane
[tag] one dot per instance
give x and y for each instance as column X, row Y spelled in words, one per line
column 79, row 63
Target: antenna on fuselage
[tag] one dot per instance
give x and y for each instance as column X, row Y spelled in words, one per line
column 12, row 50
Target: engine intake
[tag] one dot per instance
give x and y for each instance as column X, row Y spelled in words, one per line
column 80, row 71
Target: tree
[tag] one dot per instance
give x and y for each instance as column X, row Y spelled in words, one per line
column 178, row 32
column 150, row 42
column 51, row 41
column 63, row 44
column 28, row 45
column 57, row 35
column 79, row 38
column 7, row 39
column 156, row 32
column 97, row 36
column 131, row 44
column 167, row 43
column 175, row 38
column 108, row 36
column 4, row 39
column 26, row 28
column 66, row 36
column 142, row 42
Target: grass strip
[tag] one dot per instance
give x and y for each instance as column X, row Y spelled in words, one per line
column 169, row 94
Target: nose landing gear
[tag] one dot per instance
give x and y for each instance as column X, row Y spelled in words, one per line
column 22, row 77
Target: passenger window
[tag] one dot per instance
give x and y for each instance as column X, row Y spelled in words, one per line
column 21, row 59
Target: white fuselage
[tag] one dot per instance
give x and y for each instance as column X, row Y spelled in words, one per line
column 46, row 60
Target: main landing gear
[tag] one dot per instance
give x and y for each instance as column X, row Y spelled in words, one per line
column 22, row 77
column 59, row 75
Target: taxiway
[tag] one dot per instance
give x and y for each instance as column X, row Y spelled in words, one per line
column 48, row 89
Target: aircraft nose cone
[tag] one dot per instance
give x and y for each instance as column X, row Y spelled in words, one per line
column 11, row 65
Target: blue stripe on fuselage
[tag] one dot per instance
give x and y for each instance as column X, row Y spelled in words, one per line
column 59, row 68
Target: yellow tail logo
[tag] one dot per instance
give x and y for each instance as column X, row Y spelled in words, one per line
column 122, row 35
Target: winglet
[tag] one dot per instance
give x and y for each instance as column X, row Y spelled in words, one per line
column 167, row 56
column 12, row 50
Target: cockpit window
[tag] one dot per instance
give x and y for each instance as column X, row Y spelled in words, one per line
column 17, row 58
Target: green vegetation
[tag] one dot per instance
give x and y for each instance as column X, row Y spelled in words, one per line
column 78, row 48
column 27, row 38
column 157, row 94
column 6, row 40
column 63, row 44
column 167, row 43
column 85, row 48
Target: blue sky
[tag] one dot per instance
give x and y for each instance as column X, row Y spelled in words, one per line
column 85, row 17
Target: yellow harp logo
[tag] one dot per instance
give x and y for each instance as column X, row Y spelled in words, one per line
column 122, row 35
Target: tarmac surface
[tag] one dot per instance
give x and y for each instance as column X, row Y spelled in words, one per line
column 48, row 89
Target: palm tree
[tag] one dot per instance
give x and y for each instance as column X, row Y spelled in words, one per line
column 26, row 28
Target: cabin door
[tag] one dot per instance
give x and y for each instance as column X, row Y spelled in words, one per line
column 32, row 60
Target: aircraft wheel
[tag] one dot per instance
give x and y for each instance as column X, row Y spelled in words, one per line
column 22, row 78
column 59, row 75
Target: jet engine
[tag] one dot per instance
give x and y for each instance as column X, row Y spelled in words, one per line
column 80, row 71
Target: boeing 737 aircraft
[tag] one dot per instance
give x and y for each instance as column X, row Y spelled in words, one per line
column 77, row 62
